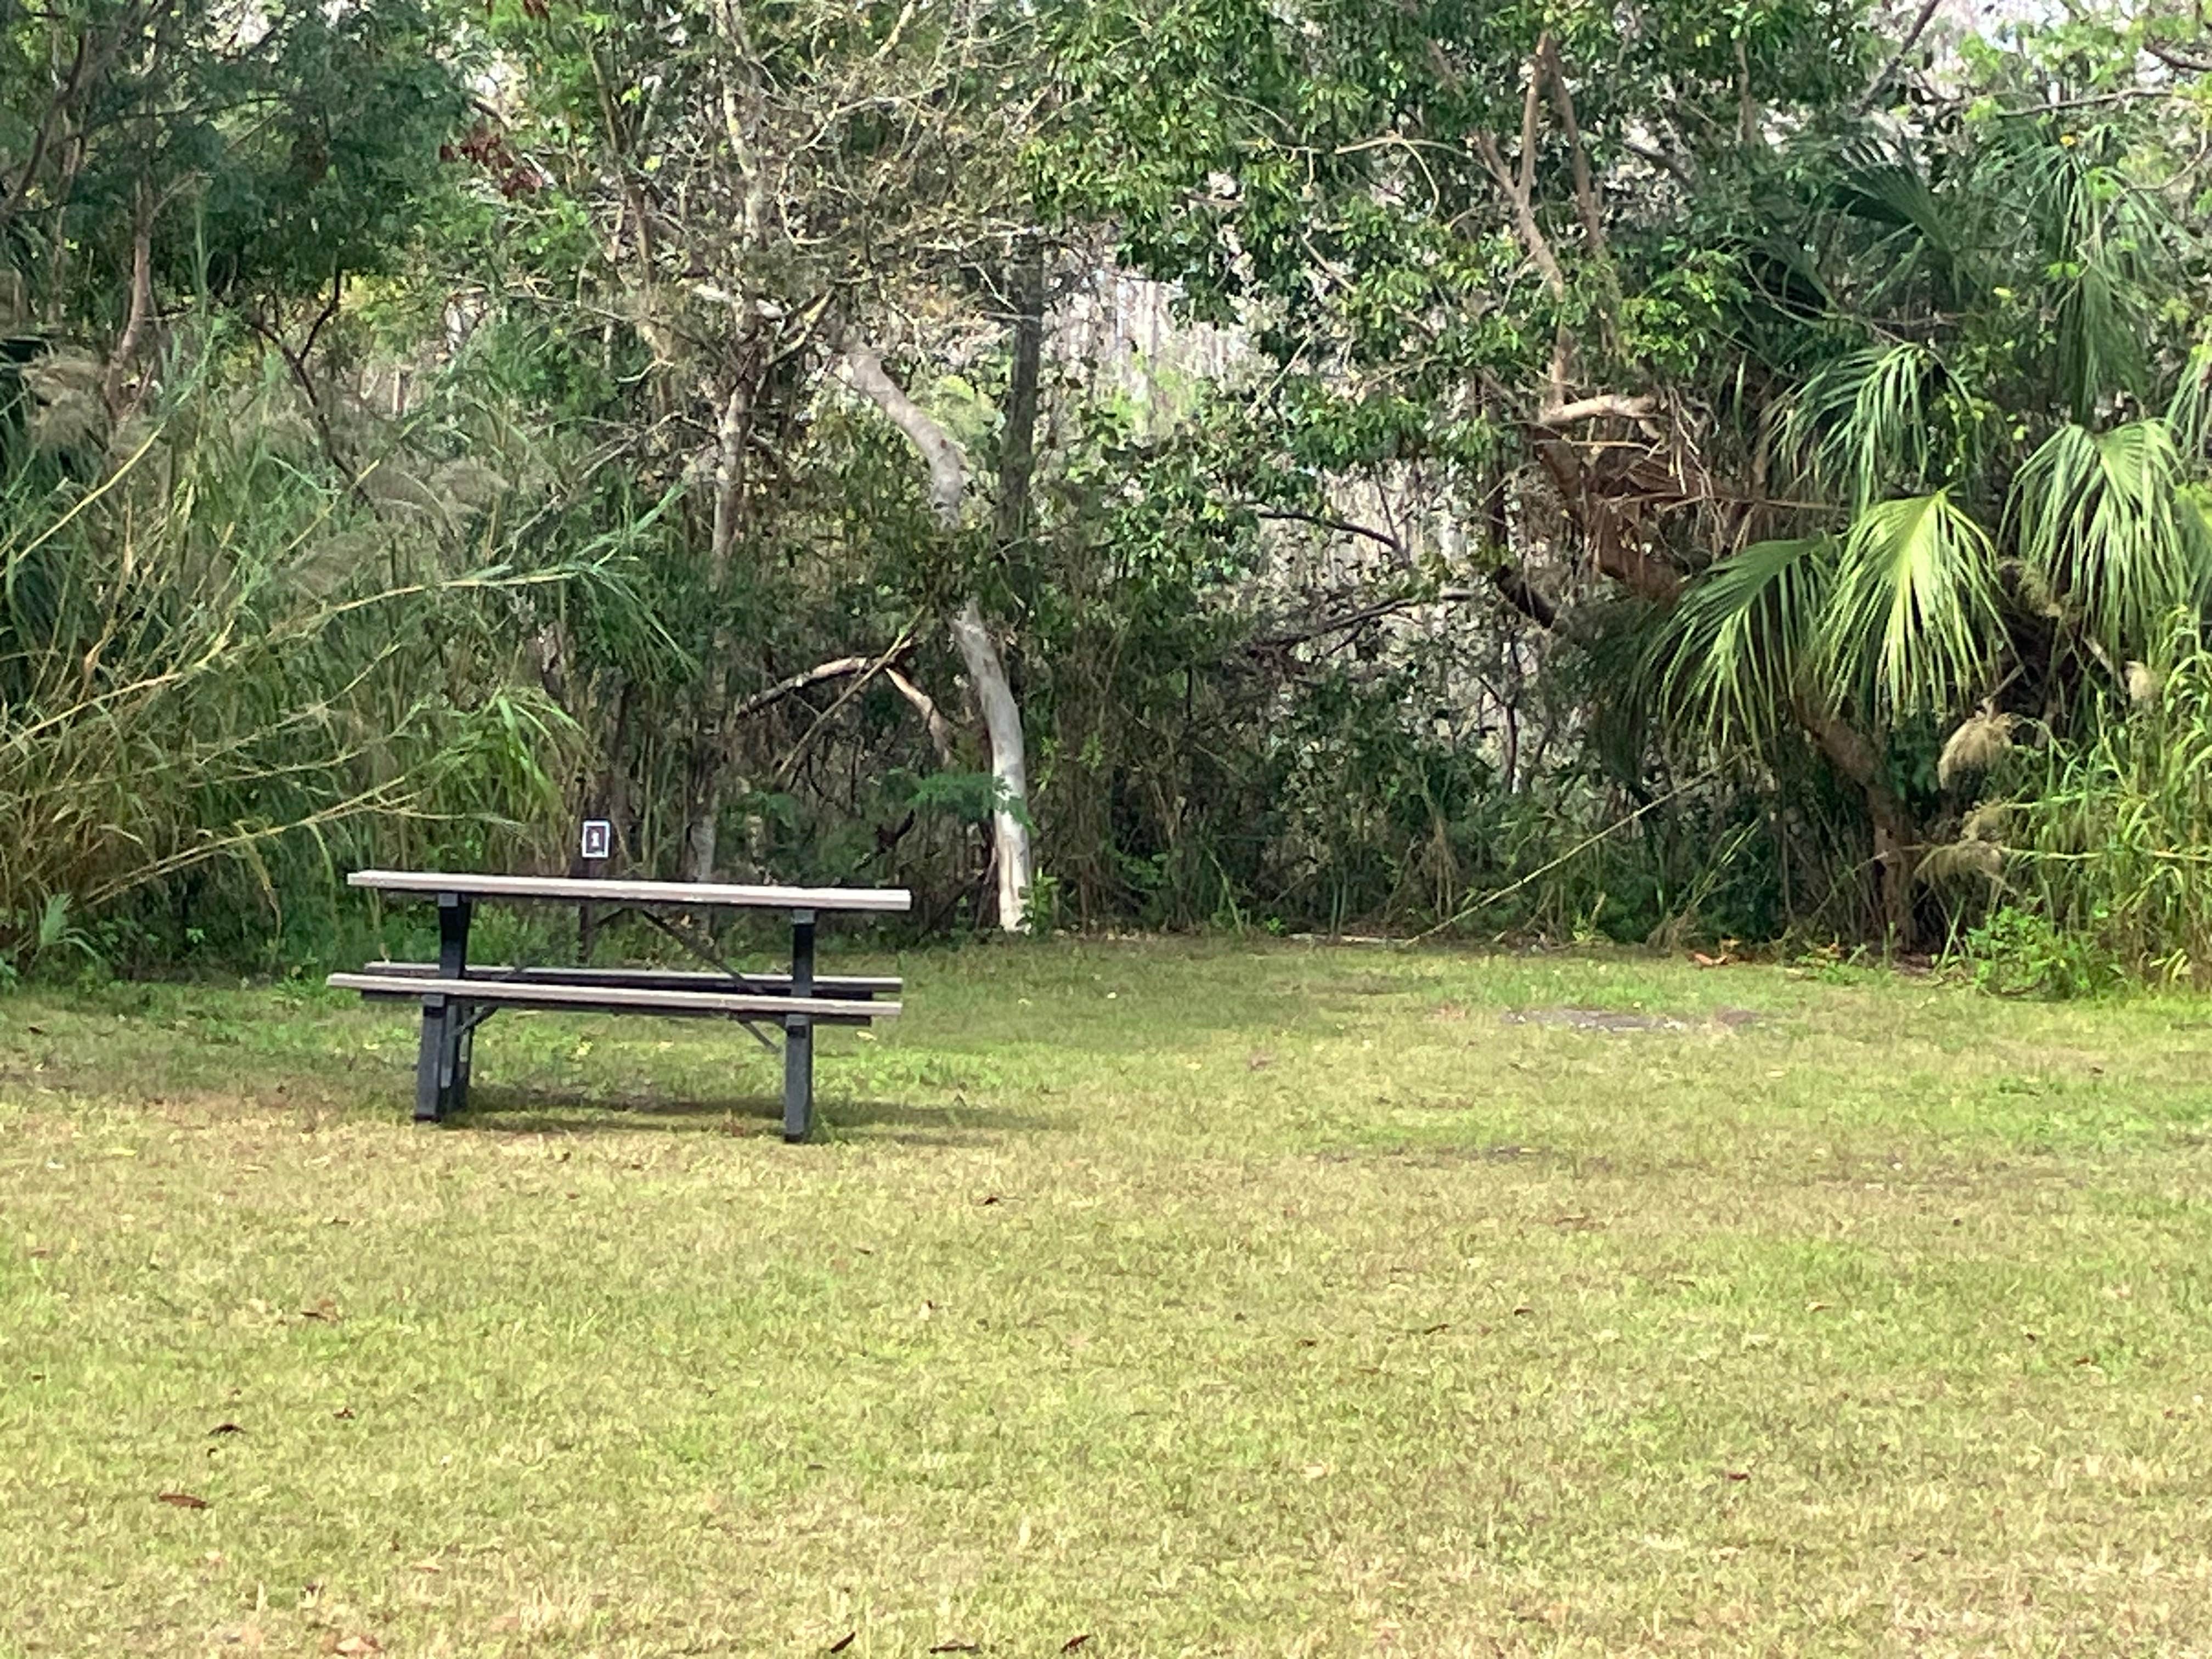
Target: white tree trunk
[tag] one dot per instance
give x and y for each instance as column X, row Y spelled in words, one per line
column 979, row 652
column 1002, row 719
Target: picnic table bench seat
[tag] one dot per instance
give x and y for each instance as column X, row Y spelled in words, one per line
column 856, row 986
column 730, row 1002
column 457, row 998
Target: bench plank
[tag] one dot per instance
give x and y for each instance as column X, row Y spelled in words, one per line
column 676, row 895
column 674, row 979
column 614, row 998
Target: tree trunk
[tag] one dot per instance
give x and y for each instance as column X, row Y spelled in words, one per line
column 1017, row 444
column 703, row 812
column 1002, row 719
column 979, row 652
column 1894, row 843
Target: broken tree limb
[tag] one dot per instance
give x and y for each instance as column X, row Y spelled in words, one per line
column 939, row 728
column 837, row 668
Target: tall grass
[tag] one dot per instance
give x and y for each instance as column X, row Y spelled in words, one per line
column 214, row 651
column 2109, row 838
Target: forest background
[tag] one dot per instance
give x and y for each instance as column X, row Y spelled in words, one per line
column 1658, row 472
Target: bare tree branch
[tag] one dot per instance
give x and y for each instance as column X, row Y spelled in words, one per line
column 1920, row 21
column 141, row 301
column 1342, row 526
column 1517, row 197
column 1586, row 202
column 939, row 728
column 1602, row 405
column 836, row 668
column 1360, row 618
column 948, row 467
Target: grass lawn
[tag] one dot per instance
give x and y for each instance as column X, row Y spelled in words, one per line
column 1190, row 1298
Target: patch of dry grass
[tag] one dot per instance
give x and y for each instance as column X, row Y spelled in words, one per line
column 1192, row 1299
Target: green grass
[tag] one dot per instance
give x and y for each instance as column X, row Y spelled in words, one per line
column 1201, row 1299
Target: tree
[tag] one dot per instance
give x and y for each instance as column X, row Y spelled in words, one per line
column 729, row 204
column 2000, row 456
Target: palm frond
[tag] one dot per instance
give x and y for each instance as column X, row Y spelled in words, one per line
column 2100, row 327
column 1877, row 421
column 1914, row 623
column 1920, row 234
column 2078, row 220
column 1737, row 647
column 2106, row 522
column 2190, row 411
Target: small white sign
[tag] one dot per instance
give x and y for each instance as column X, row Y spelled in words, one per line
column 599, row 838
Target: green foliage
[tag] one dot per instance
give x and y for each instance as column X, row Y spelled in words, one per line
column 1632, row 490
column 2020, row 953
column 2106, row 836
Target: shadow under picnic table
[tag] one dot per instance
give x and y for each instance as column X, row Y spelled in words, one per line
column 511, row 1109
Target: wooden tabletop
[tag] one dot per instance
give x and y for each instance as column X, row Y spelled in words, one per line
column 671, row 895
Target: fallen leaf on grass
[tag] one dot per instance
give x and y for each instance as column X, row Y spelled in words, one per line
column 342, row 1411
column 987, row 1198
column 843, row 1642
column 225, row 1428
column 1735, row 1474
column 182, row 1500
column 955, row 1647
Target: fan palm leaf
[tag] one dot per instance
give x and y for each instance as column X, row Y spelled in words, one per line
column 2189, row 413
column 1738, row 644
column 1878, row 419
column 1914, row 621
column 2107, row 523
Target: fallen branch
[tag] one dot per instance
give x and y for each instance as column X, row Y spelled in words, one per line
column 836, row 669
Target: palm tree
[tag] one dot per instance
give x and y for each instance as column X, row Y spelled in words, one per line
column 2002, row 460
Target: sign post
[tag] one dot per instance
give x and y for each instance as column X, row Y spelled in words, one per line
column 598, row 846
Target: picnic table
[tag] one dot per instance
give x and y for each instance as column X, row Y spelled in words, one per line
column 457, row 996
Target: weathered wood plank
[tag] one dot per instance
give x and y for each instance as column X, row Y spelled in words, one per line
column 615, row 998
column 673, row 979
column 672, row 895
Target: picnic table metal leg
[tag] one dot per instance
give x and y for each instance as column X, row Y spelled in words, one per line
column 430, row 1061
column 441, row 1063
column 799, row 1034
